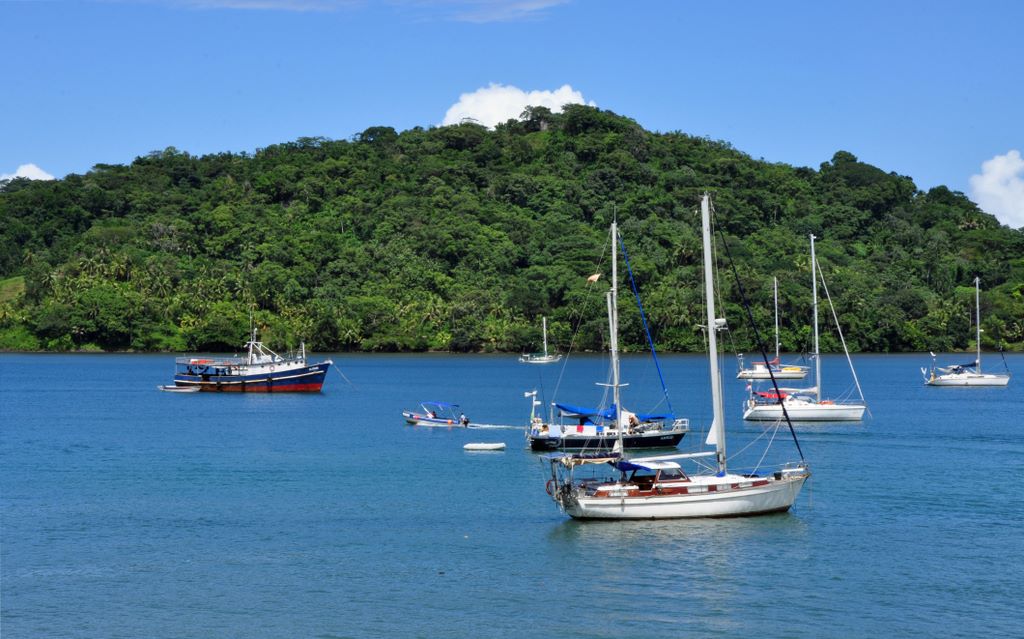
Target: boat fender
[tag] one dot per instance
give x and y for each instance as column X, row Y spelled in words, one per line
column 549, row 487
column 271, row 369
column 826, row 401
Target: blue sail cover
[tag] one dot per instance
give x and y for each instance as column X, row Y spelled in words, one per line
column 568, row 410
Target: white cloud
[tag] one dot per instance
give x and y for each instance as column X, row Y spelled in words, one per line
column 30, row 171
column 482, row 11
column 497, row 103
column 999, row 189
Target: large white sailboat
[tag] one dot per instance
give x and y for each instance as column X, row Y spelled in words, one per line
column 774, row 368
column 966, row 374
column 658, row 487
column 545, row 357
column 806, row 404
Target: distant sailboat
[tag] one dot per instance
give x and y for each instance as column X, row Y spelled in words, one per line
column 774, row 368
column 541, row 358
column 968, row 374
column 658, row 487
column 806, row 404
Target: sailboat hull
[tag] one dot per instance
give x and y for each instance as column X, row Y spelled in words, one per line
column 984, row 379
column 740, row 498
column 654, row 439
column 764, row 374
column 805, row 412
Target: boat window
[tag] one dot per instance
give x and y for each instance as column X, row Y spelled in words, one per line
column 672, row 474
column 642, row 474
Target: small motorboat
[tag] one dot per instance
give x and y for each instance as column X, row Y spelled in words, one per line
column 484, row 446
column 178, row 389
column 436, row 414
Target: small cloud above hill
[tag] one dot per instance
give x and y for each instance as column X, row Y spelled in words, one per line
column 498, row 103
column 999, row 188
column 30, row 171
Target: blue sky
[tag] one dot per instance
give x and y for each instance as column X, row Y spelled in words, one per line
column 931, row 90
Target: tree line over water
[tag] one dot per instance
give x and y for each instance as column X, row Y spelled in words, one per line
column 460, row 238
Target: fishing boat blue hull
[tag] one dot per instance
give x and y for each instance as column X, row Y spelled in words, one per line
column 307, row 379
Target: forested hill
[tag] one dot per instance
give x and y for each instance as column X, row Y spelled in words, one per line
column 461, row 238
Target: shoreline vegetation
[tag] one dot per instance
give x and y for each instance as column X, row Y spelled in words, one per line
column 458, row 238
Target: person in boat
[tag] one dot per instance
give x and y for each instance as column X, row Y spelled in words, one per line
column 463, row 419
column 634, row 423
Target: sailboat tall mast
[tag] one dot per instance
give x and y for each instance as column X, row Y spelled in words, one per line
column 814, row 297
column 977, row 311
column 613, row 329
column 775, row 281
column 544, row 322
column 716, row 435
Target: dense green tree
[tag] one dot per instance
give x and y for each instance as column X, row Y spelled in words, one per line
column 460, row 238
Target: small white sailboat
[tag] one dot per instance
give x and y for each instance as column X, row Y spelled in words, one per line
column 759, row 370
column 966, row 374
column 545, row 357
column 658, row 487
column 806, row 404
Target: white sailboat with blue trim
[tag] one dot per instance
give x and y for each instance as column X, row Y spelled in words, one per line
column 968, row 374
column 658, row 487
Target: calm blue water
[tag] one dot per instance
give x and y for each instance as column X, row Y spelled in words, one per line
column 127, row 512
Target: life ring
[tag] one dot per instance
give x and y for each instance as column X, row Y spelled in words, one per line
column 549, row 487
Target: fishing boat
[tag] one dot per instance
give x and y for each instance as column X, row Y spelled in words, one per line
column 260, row 371
column 598, row 429
column 436, row 414
column 806, row 404
column 545, row 357
column 659, row 487
column 761, row 370
column 968, row 374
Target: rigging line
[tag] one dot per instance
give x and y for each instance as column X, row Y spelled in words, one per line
column 643, row 318
column 338, row 368
column 576, row 330
column 839, row 329
column 766, row 448
column 757, row 334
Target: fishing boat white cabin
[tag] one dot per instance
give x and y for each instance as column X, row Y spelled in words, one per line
column 658, row 487
column 806, row 404
column 968, row 374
